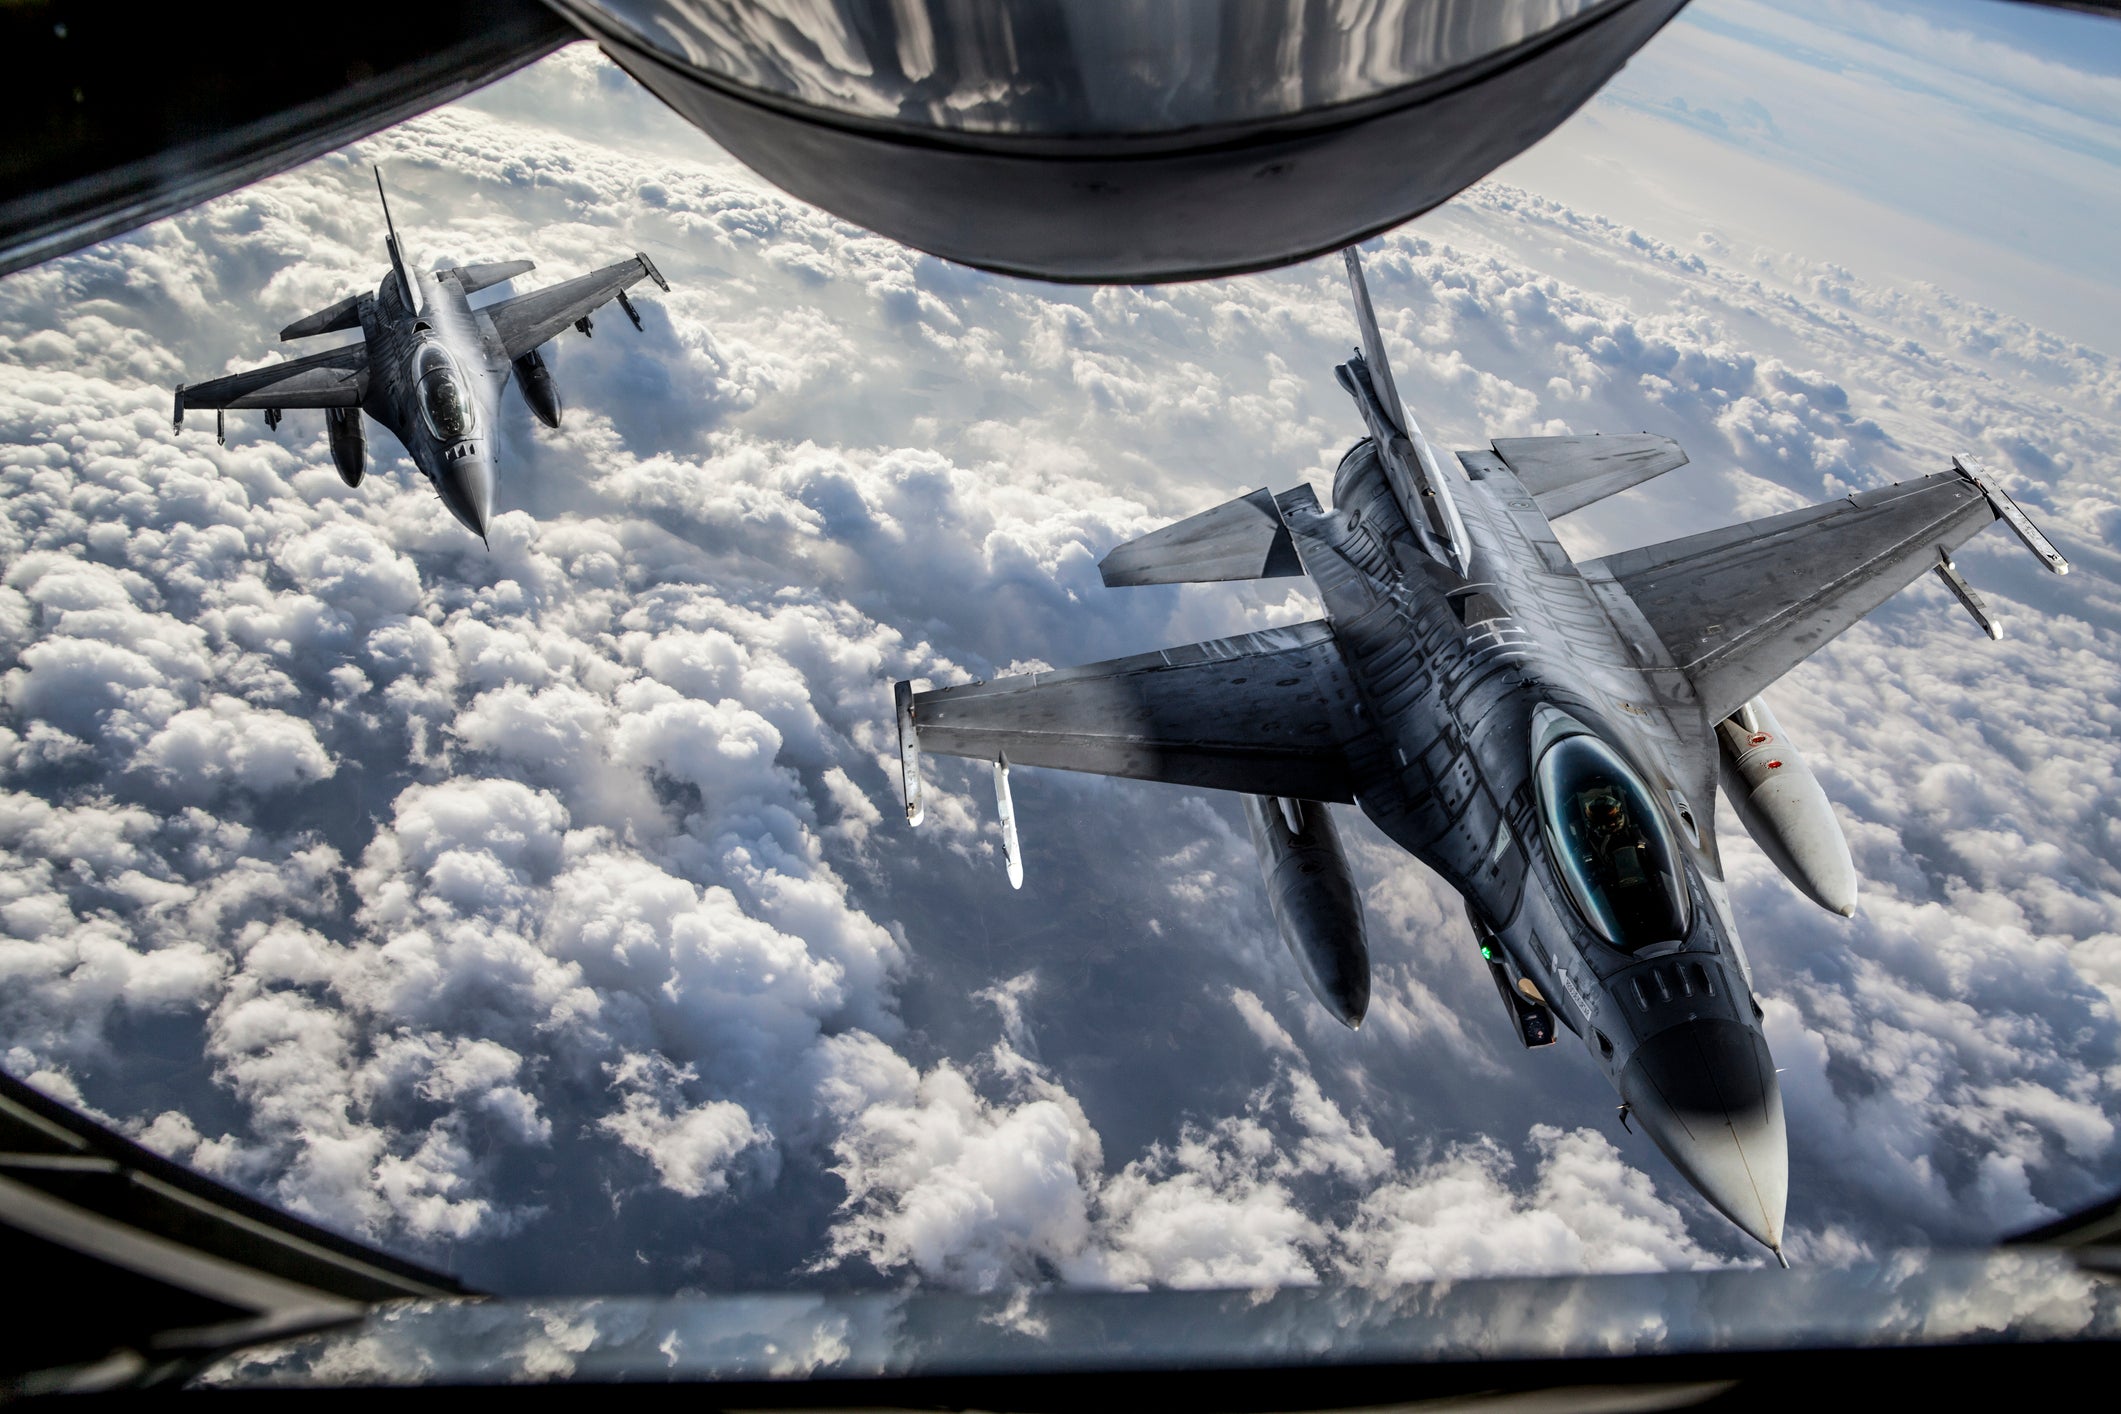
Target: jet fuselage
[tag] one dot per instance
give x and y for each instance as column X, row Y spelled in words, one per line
column 435, row 384
column 1546, row 736
column 1464, row 682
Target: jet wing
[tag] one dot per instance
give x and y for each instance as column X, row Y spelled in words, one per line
column 1261, row 713
column 1737, row 608
column 526, row 321
column 1568, row 473
column 336, row 378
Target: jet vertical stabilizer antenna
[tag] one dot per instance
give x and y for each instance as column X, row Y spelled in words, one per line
column 1012, row 852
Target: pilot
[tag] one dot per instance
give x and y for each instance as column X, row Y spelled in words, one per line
column 1615, row 842
column 448, row 405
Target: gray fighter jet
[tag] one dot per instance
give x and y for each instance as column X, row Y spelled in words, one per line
column 429, row 366
column 1546, row 736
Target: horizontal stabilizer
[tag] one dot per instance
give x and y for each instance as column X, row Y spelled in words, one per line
column 346, row 314
column 1240, row 539
column 474, row 278
column 1568, row 473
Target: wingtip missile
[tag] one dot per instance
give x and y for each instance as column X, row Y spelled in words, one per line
column 2007, row 511
column 176, row 421
column 909, row 752
column 1005, row 806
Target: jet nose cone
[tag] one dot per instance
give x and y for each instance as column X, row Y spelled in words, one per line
column 1705, row 1091
column 466, row 485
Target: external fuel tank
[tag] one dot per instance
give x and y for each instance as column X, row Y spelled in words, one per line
column 1781, row 805
column 1314, row 900
column 349, row 443
column 539, row 391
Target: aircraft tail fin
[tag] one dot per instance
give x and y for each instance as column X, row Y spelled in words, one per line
column 1373, row 344
column 1240, row 539
column 1418, row 480
column 397, row 250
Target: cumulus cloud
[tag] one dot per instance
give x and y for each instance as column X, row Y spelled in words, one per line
column 991, row 1174
column 545, row 910
column 691, row 1148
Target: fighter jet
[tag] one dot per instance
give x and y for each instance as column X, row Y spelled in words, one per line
column 429, row 366
column 1547, row 736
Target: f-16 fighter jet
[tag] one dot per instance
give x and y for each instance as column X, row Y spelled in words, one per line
column 1546, row 736
column 429, row 367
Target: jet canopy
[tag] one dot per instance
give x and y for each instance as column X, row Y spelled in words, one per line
column 1611, row 845
column 443, row 403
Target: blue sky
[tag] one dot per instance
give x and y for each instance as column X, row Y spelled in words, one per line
column 1974, row 144
column 546, row 911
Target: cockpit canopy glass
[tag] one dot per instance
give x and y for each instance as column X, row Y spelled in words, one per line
column 442, row 401
column 1613, row 847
